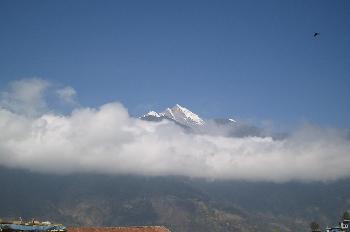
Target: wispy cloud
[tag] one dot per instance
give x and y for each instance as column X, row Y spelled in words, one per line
column 25, row 96
column 108, row 140
column 67, row 94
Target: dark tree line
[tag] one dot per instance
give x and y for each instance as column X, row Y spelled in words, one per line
column 346, row 216
column 314, row 226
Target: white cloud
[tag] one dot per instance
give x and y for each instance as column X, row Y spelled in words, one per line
column 67, row 94
column 108, row 140
column 25, row 96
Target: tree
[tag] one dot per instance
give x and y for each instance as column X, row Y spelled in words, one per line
column 314, row 226
column 346, row 215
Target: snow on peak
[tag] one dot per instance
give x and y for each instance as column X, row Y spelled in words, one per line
column 182, row 115
column 168, row 113
column 152, row 113
column 232, row 120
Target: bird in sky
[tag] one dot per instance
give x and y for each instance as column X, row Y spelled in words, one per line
column 316, row 34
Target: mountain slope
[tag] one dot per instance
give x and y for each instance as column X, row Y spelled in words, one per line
column 181, row 204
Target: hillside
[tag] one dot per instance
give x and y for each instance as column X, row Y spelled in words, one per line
column 179, row 203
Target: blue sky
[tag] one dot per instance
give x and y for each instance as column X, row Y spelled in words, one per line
column 255, row 60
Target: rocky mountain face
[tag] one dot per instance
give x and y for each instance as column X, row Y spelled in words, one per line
column 182, row 204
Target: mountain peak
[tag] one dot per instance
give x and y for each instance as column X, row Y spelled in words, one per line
column 178, row 114
column 182, row 115
column 178, row 106
column 152, row 113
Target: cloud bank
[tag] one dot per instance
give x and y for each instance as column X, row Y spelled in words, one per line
column 108, row 140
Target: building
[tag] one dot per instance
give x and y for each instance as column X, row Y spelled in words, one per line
column 119, row 229
column 344, row 225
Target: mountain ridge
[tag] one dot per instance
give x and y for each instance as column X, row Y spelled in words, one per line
column 181, row 115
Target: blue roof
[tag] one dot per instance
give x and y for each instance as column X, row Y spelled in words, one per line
column 335, row 229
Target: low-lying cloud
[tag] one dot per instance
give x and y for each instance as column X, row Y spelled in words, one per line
column 108, row 140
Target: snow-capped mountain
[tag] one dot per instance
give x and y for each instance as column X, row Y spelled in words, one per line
column 178, row 113
column 191, row 121
column 182, row 115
